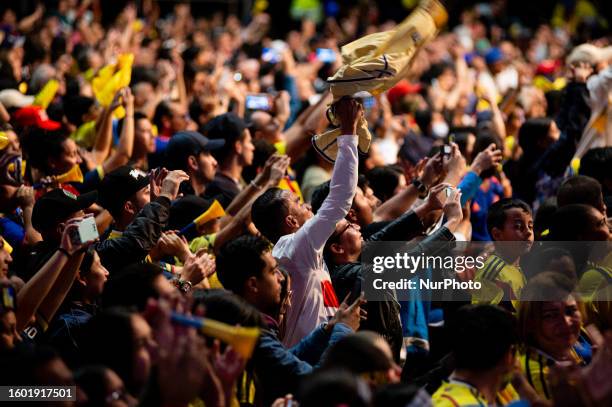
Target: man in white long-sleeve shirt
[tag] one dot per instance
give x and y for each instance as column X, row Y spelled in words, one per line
column 299, row 237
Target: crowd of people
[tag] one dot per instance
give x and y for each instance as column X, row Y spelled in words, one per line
column 158, row 176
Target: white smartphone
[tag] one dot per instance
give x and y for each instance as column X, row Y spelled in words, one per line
column 87, row 231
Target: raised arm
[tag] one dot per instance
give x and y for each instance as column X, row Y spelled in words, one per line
column 35, row 292
column 124, row 150
column 343, row 182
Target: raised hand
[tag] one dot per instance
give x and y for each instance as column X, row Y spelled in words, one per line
column 350, row 315
column 172, row 182
column 198, row 267
column 487, row 158
column 348, row 111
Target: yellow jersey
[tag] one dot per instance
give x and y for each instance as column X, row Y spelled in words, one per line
column 457, row 393
column 500, row 281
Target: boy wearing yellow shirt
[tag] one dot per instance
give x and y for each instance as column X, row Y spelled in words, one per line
column 483, row 347
column 510, row 221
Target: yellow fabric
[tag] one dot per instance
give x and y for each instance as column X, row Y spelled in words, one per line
column 110, row 79
column 596, row 291
column 546, row 85
column 288, row 183
column 459, row 394
column 376, row 62
column 85, row 135
column 4, row 140
column 281, row 147
column 203, row 242
column 6, row 246
column 536, row 367
column 46, row 94
column 500, row 281
column 74, row 175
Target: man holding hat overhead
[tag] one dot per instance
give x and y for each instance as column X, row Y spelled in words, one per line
column 588, row 58
column 376, row 62
column 140, row 213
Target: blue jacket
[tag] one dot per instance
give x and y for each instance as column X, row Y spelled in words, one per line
column 278, row 369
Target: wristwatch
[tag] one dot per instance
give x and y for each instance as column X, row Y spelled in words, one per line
column 184, row 286
column 418, row 184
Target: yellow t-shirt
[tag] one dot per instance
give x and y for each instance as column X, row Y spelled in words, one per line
column 456, row 393
column 500, row 282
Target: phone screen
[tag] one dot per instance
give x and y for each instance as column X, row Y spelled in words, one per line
column 326, row 55
column 258, row 102
column 270, row 55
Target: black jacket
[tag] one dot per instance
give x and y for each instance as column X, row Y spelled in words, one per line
column 384, row 316
column 138, row 239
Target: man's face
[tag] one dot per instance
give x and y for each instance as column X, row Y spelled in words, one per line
column 268, row 127
column 269, row 285
column 5, row 259
column 363, row 208
column 179, row 119
column 141, row 198
column 300, row 211
column 207, row 166
column 144, row 135
column 517, row 228
column 97, row 276
column 246, row 149
column 348, row 236
column 598, row 229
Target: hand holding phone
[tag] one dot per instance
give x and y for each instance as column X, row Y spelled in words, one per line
column 79, row 233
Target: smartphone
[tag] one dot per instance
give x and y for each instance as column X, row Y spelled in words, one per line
column 87, row 231
column 270, row 55
column 326, row 55
column 447, row 149
column 259, row 101
column 369, row 103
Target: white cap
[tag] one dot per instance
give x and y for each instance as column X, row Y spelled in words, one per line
column 589, row 53
column 13, row 98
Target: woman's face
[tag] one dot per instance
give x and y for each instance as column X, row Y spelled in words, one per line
column 68, row 158
column 143, row 344
column 560, row 323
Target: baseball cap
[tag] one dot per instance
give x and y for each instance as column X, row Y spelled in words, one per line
column 57, row 205
column 185, row 210
column 13, row 98
column 494, row 55
column 227, row 126
column 401, row 89
column 35, row 116
column 119, row 185
column 186, row 143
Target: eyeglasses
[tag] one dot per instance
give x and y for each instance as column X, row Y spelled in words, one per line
column 337, row 236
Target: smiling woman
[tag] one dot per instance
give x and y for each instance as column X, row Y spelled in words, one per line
column 550, row 323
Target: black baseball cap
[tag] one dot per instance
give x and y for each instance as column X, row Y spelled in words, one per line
column 57, row 205
column 119, row 185
column 228, row 127
column 186, row 143
column 185, row 210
